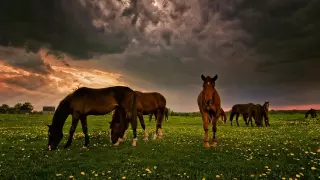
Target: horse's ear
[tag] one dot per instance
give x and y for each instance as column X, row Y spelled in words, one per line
column 215, row 77
column 202, row 77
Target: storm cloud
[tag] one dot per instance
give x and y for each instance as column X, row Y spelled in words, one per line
column 262, row 50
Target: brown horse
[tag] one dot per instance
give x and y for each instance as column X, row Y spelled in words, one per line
column 87, row 101
column 166, row 114
column 259, row 112
column 312, row 112
column 209, row 103
column 223, row 115
column 150, row 103
column 239, row 109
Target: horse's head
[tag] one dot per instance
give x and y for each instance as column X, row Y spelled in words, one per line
column 54, row 137
column 208, row 88
column 115, row 131
column 266, row 105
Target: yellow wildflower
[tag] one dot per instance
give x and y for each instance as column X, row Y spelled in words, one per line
column 283, row 178
column 266, row 167
column 148, row 170
column 318, row 151
column 297, row 175
column 217, row 176
column 58, row 174
column 70, row 177
column 313, row 168
column 82, row 173
column 123, row 177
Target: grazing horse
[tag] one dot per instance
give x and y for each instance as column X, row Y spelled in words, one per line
column 166, row 114
column 239, row 109
column 263, row 113
column 87, row 101
column 150, row 103
column 209, row 103
column 312, row 112
column 223, row 115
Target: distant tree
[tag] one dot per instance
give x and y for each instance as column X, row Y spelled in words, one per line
column 27, row 106
column 4, row 108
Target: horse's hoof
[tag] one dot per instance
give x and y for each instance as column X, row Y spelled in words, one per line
column 154, row 137
column 146, row 139
column 121, row 139
column 206, row 145
column 134, row 143
column 214, row 144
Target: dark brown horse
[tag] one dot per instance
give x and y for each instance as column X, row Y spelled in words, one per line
column 263, row 113
column 150, row 103
column 166, row 115
column 239, row 109
column 312, row 112
column 87, row 101
column 210, row 106
column 223, row 115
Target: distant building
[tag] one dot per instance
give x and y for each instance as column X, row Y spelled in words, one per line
column 48, row 109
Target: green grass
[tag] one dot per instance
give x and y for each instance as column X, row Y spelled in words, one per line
column 289, row 147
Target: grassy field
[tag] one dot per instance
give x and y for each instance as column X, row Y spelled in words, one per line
column 288, row 149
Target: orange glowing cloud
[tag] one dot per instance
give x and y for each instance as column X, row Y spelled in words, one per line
column 19, row 85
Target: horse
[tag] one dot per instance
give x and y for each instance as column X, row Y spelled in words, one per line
column 150, row 103
column 263, row 113
column 209, row 103
column 166, row 115
column 88, row 101
column 238, row 109
column 223, row 115
column 312, row 112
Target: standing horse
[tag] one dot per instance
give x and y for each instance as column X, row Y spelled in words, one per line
column 239, row 109
column 223, row 115
column 209, row 103
column 151, row 103
column 312, row 112
column 87, row 101
column 166, row 115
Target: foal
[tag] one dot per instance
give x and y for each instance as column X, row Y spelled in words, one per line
column 210, row 108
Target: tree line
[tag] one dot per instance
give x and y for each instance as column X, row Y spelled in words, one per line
column 19, row 108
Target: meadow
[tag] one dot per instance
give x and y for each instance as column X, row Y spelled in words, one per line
column 290, row 148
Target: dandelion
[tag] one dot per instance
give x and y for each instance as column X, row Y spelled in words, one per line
column 217, row 176
column 103, row 174
column 185, row 174
column 266, row 167
column 148, row 170
column 123, row 177
column 58, row 175
column 70, row 177
column 83, row 173
column 203, row 179
column 298, row 175
column 318, row 151
column 96, row 175
column 291, row 154
column 283, row 178
column 313, row 168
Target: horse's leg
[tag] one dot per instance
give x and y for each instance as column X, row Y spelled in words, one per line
column 134, row 131
column 246, row 120
column 237, row 117
column 125, row 131
column 159, row 117
column 150, row 117
column 75, row 120
column 83, row 120
column 140, row 116
column 214, row 130
column 124, row 123
column 205, row 128
column 231, row 117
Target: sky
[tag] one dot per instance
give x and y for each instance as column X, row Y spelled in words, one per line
column 261, row 50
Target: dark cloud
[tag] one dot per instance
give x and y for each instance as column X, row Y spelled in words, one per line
column 262, row 50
